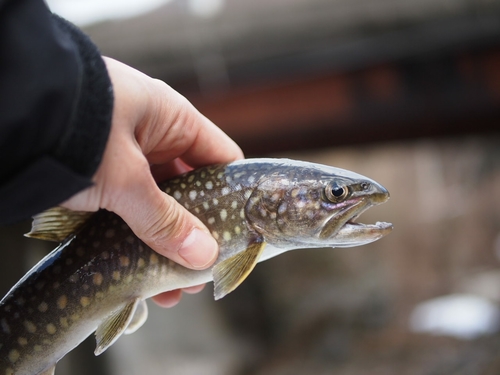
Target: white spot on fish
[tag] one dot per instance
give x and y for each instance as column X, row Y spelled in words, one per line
column 51, row 329
column 237, row 229
column 211, row 220
column 237, row 187
column 229, row 179
column 124, row 261
column 282, row 208
column 97, row 278
column 251, row 179
column 215, row 201
column 248, row 193
column 225, row 190
column 272, row 215
column 30, row 326
column 275, row 197
column 192, row 195
column 62, row 301
column 153, row 259
column 177, row 194
column 227, row 236
column 209, row 185
column 85, row 301
column 43, row 307
column 13, row 356
column 223, row 214
column 206, row 206
column 242, row 213
column 234, row 205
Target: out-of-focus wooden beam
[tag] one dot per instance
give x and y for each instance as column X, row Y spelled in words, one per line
column 446, row 95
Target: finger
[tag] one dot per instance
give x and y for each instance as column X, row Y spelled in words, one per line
column 168, row 299
column 194, row 289
column 190, row 135
column 164, row 224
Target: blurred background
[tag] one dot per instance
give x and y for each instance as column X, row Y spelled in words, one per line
column 405, row 92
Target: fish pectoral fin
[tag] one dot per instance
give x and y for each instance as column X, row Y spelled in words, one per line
column 230, row 273
column 114, row 326
column 57, row 223
column 139, row 318
column 50, row 371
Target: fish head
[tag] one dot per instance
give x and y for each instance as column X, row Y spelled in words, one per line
column 316, row 206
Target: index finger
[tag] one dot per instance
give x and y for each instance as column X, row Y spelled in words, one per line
column 192, row 137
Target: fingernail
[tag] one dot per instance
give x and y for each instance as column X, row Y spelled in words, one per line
column 199, row 249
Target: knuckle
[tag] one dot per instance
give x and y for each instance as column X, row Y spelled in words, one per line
column 167, row 225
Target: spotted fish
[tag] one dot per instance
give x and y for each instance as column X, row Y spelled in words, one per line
column 101, row 273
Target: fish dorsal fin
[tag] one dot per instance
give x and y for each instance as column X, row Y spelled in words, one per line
column 139, row 318
column 114, row 326
column 230, row 273
column 57, row 223
column 50, row 371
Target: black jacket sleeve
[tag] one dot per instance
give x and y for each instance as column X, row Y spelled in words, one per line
column 56, row 105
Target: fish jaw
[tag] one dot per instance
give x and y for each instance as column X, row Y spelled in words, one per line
column 357, row 234
column 346, row 231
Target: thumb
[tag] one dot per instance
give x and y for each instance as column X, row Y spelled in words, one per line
column 167, row 227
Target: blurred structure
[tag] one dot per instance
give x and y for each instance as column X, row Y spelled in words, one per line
column 405, row 92
column 283, row 75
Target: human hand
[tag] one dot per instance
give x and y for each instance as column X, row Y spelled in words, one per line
column 155, row 133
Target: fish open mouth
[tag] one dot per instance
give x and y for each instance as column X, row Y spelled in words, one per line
column 343, row 229
column 353, row 233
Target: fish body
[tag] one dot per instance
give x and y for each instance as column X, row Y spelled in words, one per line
column 100, row 275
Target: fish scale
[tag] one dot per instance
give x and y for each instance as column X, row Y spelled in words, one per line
column 100, row 275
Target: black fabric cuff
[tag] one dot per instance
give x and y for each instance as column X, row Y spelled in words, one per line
column 67, row 167
column 82, row 146
column 44, row 184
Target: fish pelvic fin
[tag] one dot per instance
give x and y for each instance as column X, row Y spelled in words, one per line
column 230, row 273
column 57, row 223
column 114, row 326
column 139, row 318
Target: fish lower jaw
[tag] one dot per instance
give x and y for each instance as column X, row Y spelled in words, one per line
column 356, row 234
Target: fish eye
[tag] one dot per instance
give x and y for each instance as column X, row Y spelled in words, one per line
column 336, row 193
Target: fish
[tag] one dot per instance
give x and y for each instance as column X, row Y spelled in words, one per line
column 98, row 278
